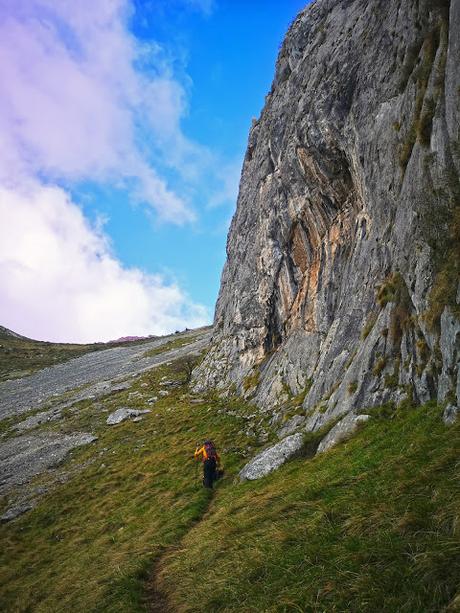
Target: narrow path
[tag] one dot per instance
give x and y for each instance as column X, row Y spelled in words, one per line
column 156, row 600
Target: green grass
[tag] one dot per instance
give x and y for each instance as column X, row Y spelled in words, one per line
column 372, row 525
column 90, row 544
column 20, row 357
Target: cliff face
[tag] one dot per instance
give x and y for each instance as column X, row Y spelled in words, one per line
column 341, row 282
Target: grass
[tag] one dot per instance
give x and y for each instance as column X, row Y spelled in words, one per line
column 252, row 380
column 176, row 343
column 372, row 525
column 90, row 544
column 20, row 357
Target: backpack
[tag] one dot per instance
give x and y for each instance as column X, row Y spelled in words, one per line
column 210, row 450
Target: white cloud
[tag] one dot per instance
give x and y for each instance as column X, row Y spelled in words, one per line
column 78, row 88
column 59, row 276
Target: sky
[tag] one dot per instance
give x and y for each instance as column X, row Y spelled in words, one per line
column 123, row 126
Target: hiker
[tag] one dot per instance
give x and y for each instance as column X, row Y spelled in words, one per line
column 210, row 458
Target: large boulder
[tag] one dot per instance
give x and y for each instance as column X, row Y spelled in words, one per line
column 272, row 458
column 341, row 431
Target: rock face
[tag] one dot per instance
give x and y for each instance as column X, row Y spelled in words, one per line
column 343, row 255
column 23, row 457
column 272, row 458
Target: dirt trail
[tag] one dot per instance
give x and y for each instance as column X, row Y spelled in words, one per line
column 156, row 600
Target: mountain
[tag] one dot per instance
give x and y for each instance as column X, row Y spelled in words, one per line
column 335, row 347
column 341, row 285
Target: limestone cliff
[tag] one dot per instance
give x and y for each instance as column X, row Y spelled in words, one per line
column 340, row 289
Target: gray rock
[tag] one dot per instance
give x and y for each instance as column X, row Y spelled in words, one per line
column 93, row 375
column 450, row 414
column 324, row 217
column 449, row 343
column 16, row 511
column 293, row 424
column 341, row 431
column 163, row 393
column 23, row 457
column 37, row 420
column 272, row 458
column 122, row 414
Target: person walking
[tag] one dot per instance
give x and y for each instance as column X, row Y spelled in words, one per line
column 210, row 458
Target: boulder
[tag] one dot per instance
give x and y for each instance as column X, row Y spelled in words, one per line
column 341, row 431
column 122, row 414
column 272, row 458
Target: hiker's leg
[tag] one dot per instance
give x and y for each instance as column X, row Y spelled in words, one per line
column 208, row 473
column 213, row 470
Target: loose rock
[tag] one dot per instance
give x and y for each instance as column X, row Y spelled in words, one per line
column 272, row 458
column 122, row 414
column 450, row 414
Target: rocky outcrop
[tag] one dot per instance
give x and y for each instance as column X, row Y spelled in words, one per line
column 450, row 414
column 272, row 458
column 340, row 284
column 23, row 457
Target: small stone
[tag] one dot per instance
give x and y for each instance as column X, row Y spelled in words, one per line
column 163, row 393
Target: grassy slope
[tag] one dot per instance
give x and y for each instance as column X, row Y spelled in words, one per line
column 370, row 526
column 90, row 545
column 373, row 525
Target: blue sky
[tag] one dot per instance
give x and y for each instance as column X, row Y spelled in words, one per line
column 125, row 125
column 227, row 54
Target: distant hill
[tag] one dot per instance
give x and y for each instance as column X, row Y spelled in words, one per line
column 7, row 333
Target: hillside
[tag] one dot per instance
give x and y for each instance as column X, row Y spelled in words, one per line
column 21, row 356
column 122, row 522
column 329, row 381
